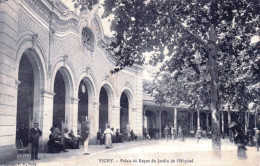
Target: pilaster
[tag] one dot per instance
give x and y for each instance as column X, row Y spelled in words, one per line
column 94, row 121
column 74, row 114
column 175, row 119
column 115, row 121
column 46, row 118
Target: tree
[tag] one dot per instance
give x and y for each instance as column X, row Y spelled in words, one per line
column 3, row 1
column 216, row 30
column 85, row 4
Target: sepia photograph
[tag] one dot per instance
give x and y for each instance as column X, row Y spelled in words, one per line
column 129, row 82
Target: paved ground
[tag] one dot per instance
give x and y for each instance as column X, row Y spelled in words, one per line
column 146, row 153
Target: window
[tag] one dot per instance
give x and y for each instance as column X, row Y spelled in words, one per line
column 87, row 38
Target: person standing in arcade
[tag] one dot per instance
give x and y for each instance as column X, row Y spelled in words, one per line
column 34, row 136
column 85, row 135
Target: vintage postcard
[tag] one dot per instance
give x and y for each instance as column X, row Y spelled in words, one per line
column 129, row 82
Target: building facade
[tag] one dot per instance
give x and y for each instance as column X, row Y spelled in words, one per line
column 54, row 69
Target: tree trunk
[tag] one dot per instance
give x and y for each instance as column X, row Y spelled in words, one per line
column 212, row 53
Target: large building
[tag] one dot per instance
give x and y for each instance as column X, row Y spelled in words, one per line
column 54, row 68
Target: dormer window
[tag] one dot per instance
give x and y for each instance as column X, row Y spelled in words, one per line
column 87, row 38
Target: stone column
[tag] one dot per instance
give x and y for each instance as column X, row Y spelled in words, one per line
column 93, row 116
column 46, row 118
column 207, row 121
column 133, row 119
column 116, row 117
column 175, row 120
column 191, row 122
column 229, row 115
column 229, row 121
column 246, row 120
column 159, row 113
column 74, row 114
column 222, row 120
column 198, row 120
column 256, row 118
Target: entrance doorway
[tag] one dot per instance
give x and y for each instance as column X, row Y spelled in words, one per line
column 103, row 109
column 83, row 103
column 25, row 99
column 59, row 101
column 124, row 112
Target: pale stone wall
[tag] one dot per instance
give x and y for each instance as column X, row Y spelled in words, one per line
column 53, row 47
column 8, row 82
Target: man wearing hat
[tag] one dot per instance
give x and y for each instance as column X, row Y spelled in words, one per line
column 34, row 136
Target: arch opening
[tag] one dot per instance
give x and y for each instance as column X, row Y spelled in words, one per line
column 25, row 99
column 31, row 77
column 124, row 112
column 59, row 100
column 83, row 106
column 103, row 109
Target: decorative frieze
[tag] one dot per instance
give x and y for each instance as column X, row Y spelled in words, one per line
column 46, row 13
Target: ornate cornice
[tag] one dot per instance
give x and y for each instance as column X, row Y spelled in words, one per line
column 50, row 13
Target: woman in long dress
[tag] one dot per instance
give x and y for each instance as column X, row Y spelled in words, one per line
column 108, row 138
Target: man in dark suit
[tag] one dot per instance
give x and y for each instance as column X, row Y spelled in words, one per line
column 34, row 136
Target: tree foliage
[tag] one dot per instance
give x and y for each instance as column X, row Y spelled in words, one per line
column 85, row 4
column 207, row 44
column 3, row 1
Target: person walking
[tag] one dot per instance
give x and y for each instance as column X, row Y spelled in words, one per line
column 34, row 136
column 85, row 135
column 108, row 137
column 166, row 132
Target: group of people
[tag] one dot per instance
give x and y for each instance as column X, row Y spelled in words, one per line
column 54, row 144
column 108, row 136
column 168, row 132
column 71, row 141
